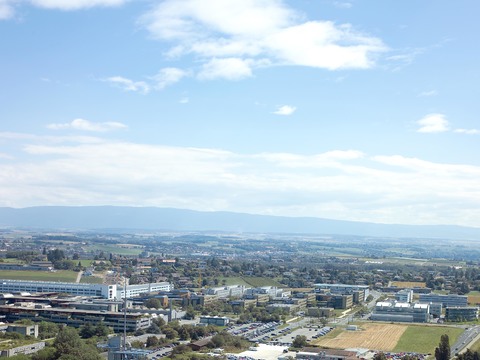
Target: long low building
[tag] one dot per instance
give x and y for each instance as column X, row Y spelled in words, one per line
column 401, row 312
column 97, row 290
column 76, row 317
column 445, row 300
column 461, row 313
column 82, row 289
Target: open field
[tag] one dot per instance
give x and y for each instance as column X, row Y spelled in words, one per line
column 391, row 337
column 474, row 297
column 475, row 346
column 91, row 280
column 424, row 339
column 371, row 336
column 120, row 249
column 59, row 275
column 260, row 281
column 408, row 284
column 248, row 281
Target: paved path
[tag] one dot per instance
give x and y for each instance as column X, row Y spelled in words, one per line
column 79, row 276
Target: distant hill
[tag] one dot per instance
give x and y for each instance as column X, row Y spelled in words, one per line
column 151, row 218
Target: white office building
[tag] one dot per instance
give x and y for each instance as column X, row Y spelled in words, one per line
column 82, row 289
column 400, row 311
column 139, row 289
column 405, row 296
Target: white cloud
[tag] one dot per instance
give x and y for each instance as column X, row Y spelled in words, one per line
column 7, row 9
column 75, row 4
column 227, row 68
column 85, row 125
column 232, row 38
column 341, row 184
column 433, row 123
column 285, row 110
column 343, row 4
column 468, row 131
column 184, row 100
column 428, row 93
column 168, row 76
column 165, row 77
column 129, row 85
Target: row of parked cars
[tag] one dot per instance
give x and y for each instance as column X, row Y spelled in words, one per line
column 322, row 332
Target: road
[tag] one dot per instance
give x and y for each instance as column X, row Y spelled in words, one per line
column 79, row 276
column 465, row 340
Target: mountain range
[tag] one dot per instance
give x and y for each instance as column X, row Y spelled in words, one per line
column 169, row 219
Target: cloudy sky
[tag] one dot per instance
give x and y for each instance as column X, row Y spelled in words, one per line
column 343, row 109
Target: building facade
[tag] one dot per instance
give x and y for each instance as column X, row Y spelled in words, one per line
column 82, row 289
column 76, row 317
column 461, row 313
column 401, row 312
column 445, row 300
column 405, row 295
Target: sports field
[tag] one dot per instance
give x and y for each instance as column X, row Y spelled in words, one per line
column 392, row 337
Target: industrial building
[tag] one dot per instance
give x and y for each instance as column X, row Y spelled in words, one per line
column 405, row 295
column 235, row 291
column 358, row 293
column 76, row 317
column 214, row 320
column 82, row 289
column 343, row 288
column 445, row 300
column 325, row 354
column 30, row 348
column 461, row 313
column 400, row 312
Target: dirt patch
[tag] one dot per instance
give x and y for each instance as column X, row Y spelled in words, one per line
column 370, row 336
column 408, row 284
column 474, row 299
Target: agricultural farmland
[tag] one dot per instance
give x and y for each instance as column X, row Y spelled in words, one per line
column 392, row 337
column 369, row 336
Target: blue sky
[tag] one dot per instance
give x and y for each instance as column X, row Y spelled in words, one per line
column 356, row 110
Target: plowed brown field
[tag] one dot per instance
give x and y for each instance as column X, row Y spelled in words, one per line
column 370, row 336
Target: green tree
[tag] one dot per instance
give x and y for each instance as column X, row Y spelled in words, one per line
column 48, row 353
column 68, row 342
column 442, row 352
column 190, row 313
column 137, row 344
column 152, row 341
column 299, row 341
column 55, row 255
column 379, row 356
column 87, row 331
column 19, row 357
column 153, row 303
column 47, row 330
column 170, row 333
column 69, row 346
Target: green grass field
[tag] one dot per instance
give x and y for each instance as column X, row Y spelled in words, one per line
column 475, row 346
column 260, row 281
column 248, row 281
column 234, row 280
column 424, row 339
column 91, row 280
column 117, row 249
column 59, row 275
